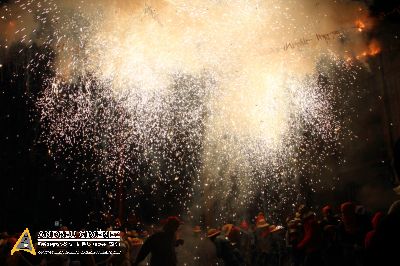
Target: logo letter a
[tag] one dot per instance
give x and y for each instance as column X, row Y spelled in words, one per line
column 24, row 243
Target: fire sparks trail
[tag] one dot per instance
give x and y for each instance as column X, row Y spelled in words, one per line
column 193, row 98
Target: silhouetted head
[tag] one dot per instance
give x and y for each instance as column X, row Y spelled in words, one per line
column 327, row 211
column 349, row 220
column 234, row 234
column 376, row 219
column 244, row 225
column 172, row 224
column 261, row 222
column 348, row 209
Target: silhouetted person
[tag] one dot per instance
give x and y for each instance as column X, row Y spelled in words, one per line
column 331, row 246
column 311, row 242
column 328, row 218
column 351, row 235
column 384, row 246
column 371, row 234
column 263, row 241
column 162, row 245
column 294, row 235
column 225, row 250
column 246, row 241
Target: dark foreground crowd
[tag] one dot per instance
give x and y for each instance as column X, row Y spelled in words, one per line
column 349, row 237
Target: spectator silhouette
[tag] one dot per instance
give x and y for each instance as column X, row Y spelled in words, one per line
column 294, row 235
column 371, row 234
column 263, row 241
column 311, row 242
column 384, row 246
column 162, row 245
column 351, row 235
column 224, row 248
column 332, row 252
column 328, row 218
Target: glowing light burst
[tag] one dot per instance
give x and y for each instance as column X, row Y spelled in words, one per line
column 190, row 98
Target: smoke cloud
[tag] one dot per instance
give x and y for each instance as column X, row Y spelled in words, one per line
column 256, row 64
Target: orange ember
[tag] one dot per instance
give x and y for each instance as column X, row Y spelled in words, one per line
column 374, row 48
column 360, row 25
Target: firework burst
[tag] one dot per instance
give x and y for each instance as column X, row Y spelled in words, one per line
column 202, row 105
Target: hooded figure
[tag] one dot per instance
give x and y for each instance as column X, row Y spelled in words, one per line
column 225, row 250
column 263, row 241
column 162, row 245
column 328, row 217
column 370, row 235
column 384, row 245
column 246, row 241
column 349, row 217
column 312, row 241
column 351, row 235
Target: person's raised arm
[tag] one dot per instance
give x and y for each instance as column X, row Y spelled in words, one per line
column 144, row 251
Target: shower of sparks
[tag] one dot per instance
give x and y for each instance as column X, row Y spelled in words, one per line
column 192, row 101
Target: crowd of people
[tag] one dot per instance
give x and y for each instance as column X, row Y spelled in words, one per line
column 349, row 236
